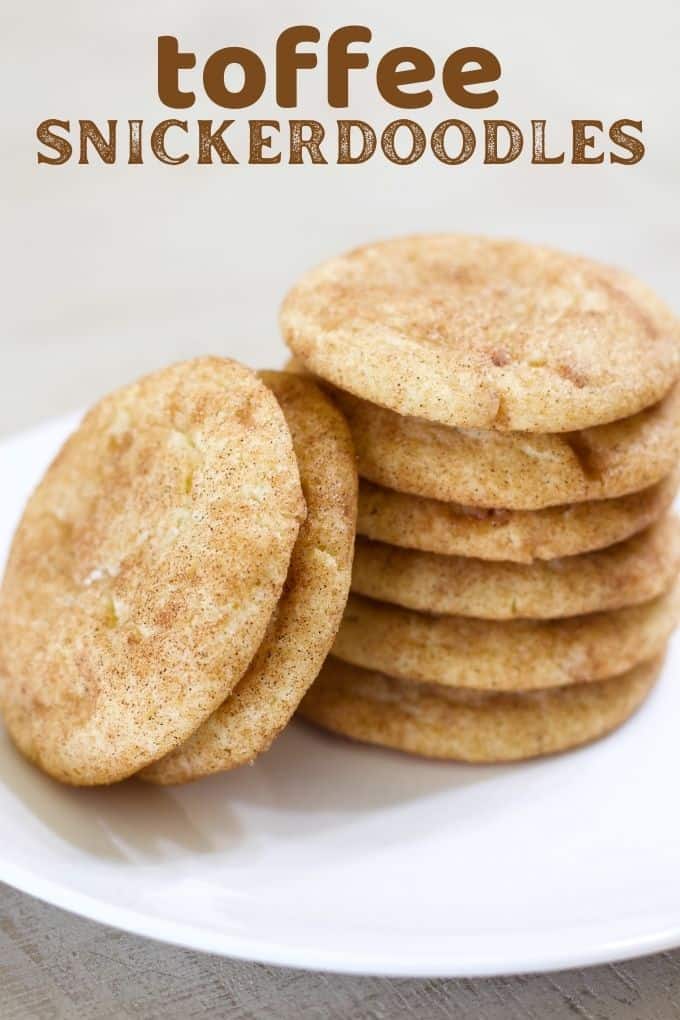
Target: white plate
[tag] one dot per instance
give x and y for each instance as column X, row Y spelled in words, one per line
column 331, row 855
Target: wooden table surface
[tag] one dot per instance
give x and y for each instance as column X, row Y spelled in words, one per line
column 54, row 966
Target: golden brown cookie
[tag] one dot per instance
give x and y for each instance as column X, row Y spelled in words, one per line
column 145, row 570
column 626, row 574
column 476, row 332
column 520, row 536
column 503, row 655
column 473, row 726
column 510, row 470
column 308, row 615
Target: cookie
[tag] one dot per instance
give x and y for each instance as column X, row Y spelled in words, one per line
column 520, row 536
column 308, row 615
column 475, row 332
column 503, row 655
column 472, row 726
column 509, row 470
column 145, row 570
column 626, row 574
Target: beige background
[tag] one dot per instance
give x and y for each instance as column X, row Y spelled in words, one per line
column 110, row 271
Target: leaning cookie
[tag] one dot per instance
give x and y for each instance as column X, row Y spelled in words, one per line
column 625, row 574
column 476, row 332
column 519, row 536
column 307, row 618
column 459, row 651
column 145, row 570
column 472, row 726
column 514, row 470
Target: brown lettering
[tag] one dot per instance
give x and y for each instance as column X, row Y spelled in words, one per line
column 209, row 140
column 259, row 141
column 340, row 61
column 581, row 141
column 621, row 138
column 467, row 146
column 158, row 142
column 538, row 153
column 418, row 142
column 46, row 135
column 135, row 147
column 457, row 78
column 170, row 62
column 289, row 61
column 89, row 132
column 515, row 141
column 345, row 141
column 254, row 77
column 391, row 77
column 312, row 144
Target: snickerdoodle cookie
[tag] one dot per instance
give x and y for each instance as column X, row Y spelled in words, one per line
column 625, row 574
column 308, row 615
column 459, row 651
column 146, row 568
column 514, row 470
column 474, row 726
column 520, row 536
column 476, row 332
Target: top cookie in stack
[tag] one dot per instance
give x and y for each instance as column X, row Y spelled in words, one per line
column 486, row 334
column 508, row 403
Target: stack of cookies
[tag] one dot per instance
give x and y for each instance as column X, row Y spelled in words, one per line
column 182, row 570
column 516, row 416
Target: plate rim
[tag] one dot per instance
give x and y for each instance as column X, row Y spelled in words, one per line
column 311, row 958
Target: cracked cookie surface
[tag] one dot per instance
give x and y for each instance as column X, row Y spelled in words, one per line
column 483, row 333
column 514, row 470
